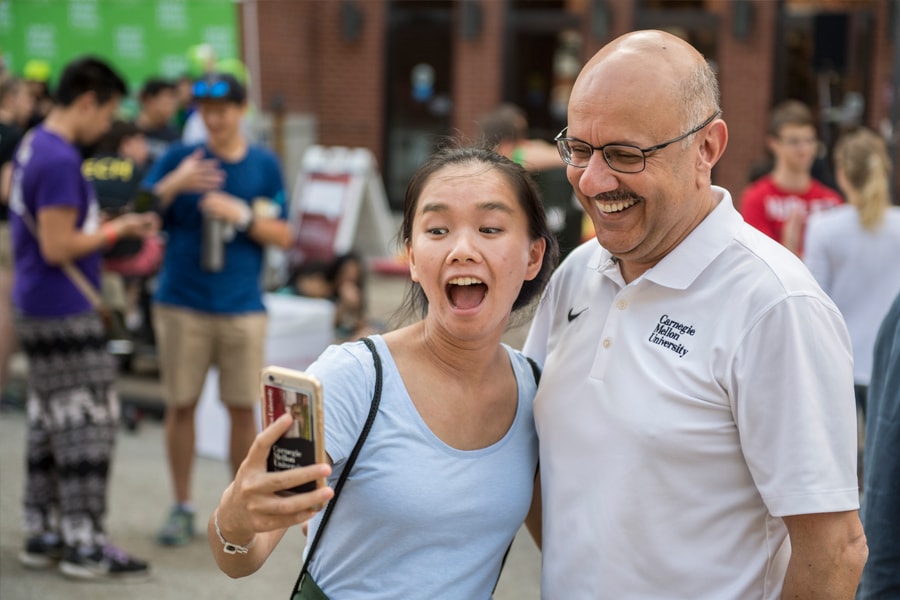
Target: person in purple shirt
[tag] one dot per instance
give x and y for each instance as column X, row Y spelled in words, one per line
column 72, row 404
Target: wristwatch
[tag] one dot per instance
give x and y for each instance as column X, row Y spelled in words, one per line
column 246, row 221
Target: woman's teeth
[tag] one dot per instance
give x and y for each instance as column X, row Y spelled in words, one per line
column 465, row 281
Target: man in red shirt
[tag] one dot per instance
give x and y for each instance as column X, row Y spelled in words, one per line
column 779, row 202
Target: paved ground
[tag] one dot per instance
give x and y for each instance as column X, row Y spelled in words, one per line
column 139, row 497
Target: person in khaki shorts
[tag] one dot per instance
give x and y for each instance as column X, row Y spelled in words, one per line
column 222, row 202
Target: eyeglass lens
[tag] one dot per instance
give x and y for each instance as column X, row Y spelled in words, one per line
column 626, row 159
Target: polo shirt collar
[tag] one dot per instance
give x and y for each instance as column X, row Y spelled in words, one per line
column 684, row 264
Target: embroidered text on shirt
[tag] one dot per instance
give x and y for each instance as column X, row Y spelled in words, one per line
column 668, row 332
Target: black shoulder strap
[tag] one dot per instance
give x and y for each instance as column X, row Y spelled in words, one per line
column 535, row 369
column 373, row 410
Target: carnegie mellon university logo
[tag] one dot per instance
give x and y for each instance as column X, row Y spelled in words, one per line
column 672, row 334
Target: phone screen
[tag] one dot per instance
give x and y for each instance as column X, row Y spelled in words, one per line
column 296, row 448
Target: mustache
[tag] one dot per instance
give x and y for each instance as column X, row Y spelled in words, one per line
column 618, row 196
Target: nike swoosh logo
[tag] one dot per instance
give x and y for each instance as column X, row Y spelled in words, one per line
column 575, row 315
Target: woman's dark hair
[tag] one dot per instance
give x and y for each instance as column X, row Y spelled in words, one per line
column 334, row 272
column 334, row 269
column 415, row 303
column 154, row 86
column 89, row 74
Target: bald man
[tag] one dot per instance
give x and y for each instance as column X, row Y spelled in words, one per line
column 696, row 411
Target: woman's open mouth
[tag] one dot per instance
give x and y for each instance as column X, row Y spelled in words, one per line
column 466, row 292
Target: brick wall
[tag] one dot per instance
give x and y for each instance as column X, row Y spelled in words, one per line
column 349, row 76
column 478, row 76
column 286, row 51
column 307, row 62
column 879, row 100
column 745, row 82
column 313, row 69
column 879, row 96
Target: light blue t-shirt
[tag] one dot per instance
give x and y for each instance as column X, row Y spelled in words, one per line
column 416, row 518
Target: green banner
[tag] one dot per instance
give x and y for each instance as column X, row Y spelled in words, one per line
column 140, row 38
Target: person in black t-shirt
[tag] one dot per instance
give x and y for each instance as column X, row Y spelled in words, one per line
column 116, row 168
column 16, row 106
column 159, row 103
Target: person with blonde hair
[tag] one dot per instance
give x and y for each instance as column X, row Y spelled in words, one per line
column 852, row 249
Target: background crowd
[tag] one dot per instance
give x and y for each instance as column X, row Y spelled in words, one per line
column 125, row 232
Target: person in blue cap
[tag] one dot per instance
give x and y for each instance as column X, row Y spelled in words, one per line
column 222, row 202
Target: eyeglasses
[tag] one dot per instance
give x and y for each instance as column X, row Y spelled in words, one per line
column 215, row 90
column 620, row 157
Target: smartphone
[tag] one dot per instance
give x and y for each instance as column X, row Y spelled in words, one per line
column 299, row 394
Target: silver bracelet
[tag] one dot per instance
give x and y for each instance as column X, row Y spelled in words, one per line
column 231, row 548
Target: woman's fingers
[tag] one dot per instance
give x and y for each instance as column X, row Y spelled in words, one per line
column 291, row 478
column 256, row 479
column 268, row 509
column 259, row 450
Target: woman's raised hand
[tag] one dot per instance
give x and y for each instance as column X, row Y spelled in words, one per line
column 252, row 504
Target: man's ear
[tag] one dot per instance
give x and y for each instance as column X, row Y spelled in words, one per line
column 714, row 143
column 711, row 149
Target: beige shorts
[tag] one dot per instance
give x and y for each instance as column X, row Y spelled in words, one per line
column 189, row 342
column 6, row 257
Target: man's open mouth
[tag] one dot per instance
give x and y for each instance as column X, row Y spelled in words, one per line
column 614, row 207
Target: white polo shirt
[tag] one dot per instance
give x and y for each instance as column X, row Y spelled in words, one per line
column 681, row 415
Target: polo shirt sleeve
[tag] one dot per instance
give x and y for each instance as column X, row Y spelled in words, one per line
column 794, row 408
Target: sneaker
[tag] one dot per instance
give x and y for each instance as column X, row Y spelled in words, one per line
column 41, row 552
column 106, row 562
column 178, row 529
